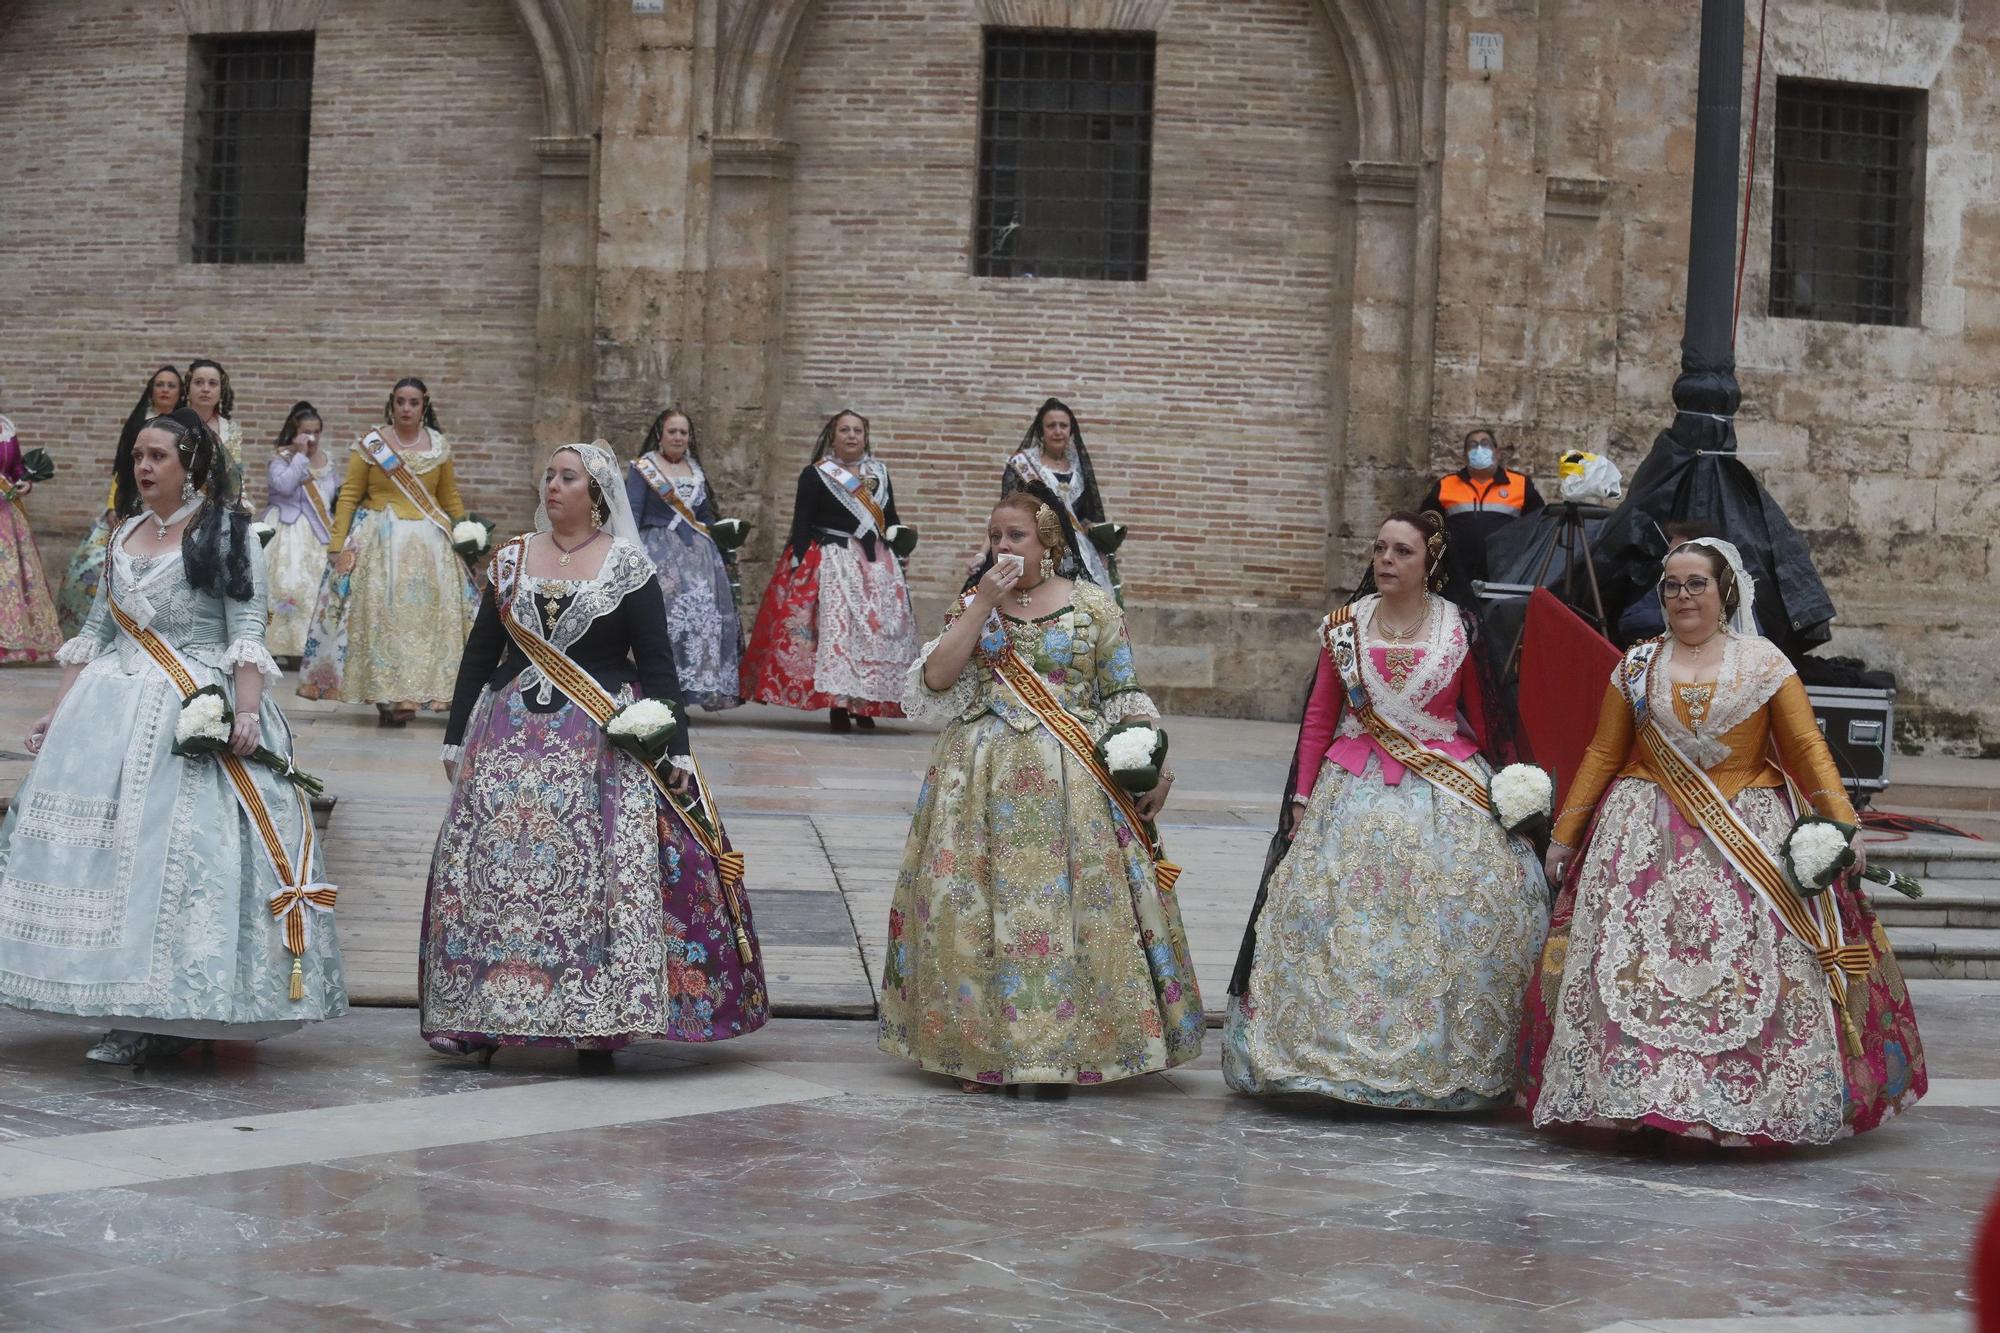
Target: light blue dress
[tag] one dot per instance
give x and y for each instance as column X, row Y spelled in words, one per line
column 132, row 885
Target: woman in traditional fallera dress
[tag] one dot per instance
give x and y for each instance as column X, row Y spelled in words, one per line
column 835, row 630
column 29, row 631
column 1052, row 452
column 1388, row 948
column 133, row 885
column 570, row 903
column 396, row 602
column 1685, row 987
column 674, row 507
column 161, row 395
column 1033, row 938
column 207, row 390
column 298, row 479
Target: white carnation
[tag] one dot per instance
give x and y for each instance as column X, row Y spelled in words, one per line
column 202, row 719
column 1520, row 793
column 1131, row 750
column 1815, row 850
column 646, row 717
column 465, row 530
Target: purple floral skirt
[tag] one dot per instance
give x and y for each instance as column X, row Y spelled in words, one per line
column 567, row 906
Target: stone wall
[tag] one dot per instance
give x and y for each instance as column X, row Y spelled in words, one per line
column 1562, row 272
column 421, row 239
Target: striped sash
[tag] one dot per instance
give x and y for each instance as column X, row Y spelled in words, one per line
column 1027, row 682
column 297, row 894
column 852, row 491
column 1343, row 645
column 1816, row 924
column 664, row 487
column 385, row 457
column 697, row 813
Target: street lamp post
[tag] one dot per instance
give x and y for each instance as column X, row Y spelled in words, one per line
column 1707, row 388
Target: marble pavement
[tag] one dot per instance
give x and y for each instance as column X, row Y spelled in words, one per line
column 348, row 1178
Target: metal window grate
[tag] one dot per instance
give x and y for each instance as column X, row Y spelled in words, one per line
column 1065, row 156
column 1848, row 203
column 252, row 126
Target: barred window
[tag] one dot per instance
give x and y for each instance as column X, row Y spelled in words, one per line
column 1065, row 155
column 1847, row 212
column 250, row 125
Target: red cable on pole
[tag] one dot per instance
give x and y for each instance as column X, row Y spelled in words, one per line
column 1750, row 183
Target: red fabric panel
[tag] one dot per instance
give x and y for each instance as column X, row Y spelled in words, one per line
column 1565, row 667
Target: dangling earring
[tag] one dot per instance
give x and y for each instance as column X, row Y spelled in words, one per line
column 1048, row 566
column 187, row 490
column 597, row 516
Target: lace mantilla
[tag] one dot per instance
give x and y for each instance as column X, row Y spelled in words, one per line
column 625, row 570
column 1751, row 671
column 1400, row 698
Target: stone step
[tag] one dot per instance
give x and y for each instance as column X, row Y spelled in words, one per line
column 1952, row 954
column 1946, row 902
column 1934, row 856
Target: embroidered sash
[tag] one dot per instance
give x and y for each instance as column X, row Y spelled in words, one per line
column 297, row 895
column 1027, row 683
column 382, row 455
column 697, row 813
column 852, row 491
column 1343, row 645
column 318, row 503
column 663, row 486
column 9, row 491
column 1816, row 924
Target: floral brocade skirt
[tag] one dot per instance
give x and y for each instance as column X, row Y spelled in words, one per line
column 81, row 577
column 294, row 566
column 567, row 906
column 1396, row 939
column 1028, row 942
column 29, row 631
column 1671, row 995
column 702, row 621
column 393, row 630
column 835, row 628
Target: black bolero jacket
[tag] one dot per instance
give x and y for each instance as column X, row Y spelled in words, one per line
column 625, row 645
column 819, row 519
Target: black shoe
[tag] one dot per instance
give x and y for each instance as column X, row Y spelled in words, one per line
column 838, row 720
column 593, row 1062
column 865, row 723
column 1051, row 1092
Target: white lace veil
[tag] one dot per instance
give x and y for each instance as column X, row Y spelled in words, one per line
column 1745, row 619
column 603, row 467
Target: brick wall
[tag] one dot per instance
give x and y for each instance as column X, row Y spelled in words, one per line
column 1204, row 392
column 421, row 240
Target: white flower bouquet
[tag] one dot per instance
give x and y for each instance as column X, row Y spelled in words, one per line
column 1106, row 537
column 471, row 536
column 1817, row 852
column 1524, row 799
column 902, row 539
column 263, row 532
column 645, row 729
column 729, row 533
column 204, row 728
column 1134, row 753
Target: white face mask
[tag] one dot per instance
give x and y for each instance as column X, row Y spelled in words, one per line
column 1479, row 457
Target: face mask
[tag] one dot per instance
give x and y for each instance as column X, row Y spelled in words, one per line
column 1479, row 456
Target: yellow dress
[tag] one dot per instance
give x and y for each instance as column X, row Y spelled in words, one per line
column 393, row 629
